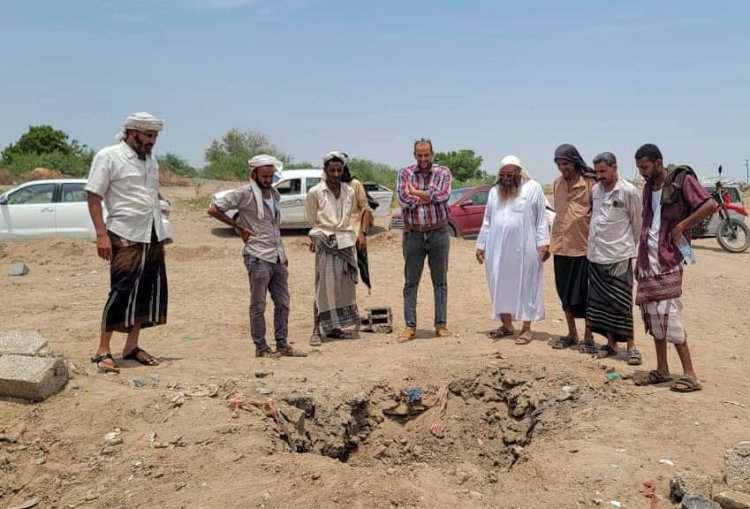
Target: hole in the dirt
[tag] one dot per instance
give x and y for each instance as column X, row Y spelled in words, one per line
column 491, row 414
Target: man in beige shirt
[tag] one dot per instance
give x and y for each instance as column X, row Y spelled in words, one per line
column 329, row 209
column 570, row 232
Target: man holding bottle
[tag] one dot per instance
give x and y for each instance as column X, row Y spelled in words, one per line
column 672, row 203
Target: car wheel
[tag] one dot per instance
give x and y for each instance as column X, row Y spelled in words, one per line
column 453, row 230
column 236, row 217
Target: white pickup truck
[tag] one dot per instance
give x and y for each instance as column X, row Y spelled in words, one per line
column 293, row 186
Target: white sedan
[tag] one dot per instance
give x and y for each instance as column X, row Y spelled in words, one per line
column 43, row 209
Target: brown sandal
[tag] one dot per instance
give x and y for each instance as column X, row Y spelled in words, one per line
column 652, row 378
column 103, row 368
column 500, row 332
column 525, row 338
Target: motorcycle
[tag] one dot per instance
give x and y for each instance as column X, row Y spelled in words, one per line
column 732, row 233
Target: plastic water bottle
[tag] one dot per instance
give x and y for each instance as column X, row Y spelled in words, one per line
column 688, row 258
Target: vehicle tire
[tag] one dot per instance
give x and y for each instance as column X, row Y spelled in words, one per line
column 733, row 235
column 236, row 217
column 453, row 230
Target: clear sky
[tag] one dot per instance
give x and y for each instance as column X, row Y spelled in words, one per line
column 369, row 77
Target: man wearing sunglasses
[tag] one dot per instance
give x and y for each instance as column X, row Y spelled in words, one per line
column 423, row 192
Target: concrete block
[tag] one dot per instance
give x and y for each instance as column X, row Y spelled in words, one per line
column 24, row 343
column 733, row 500
column 31, row 378
column 737, row 463
column 17, row 268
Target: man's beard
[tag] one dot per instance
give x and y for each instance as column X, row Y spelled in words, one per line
column 508, row 189
column 141, row 148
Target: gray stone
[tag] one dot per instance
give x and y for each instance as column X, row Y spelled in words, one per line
column 17, row 269
column 733, row 500
column 737, row 464
column 31, row 378
column 698, row 502
column 23, row 343
column 689, row 483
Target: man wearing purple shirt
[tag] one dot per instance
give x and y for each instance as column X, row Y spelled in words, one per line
column 423, row 192
column 673, row 202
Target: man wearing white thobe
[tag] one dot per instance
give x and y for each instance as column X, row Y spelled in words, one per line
column 513, row 243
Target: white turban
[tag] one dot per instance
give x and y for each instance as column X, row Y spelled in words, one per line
column 513, row 160
column 143, row 121
column 335, row 154
column 265, row 160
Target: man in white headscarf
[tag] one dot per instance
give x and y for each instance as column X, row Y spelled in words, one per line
column 125, row 177
column 259, row 224
column 332, row 238
column 513, row 243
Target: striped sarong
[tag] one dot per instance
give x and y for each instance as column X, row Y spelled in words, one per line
column 609, row 310
column 659, row 296
column 138, row 285
column 335, row 285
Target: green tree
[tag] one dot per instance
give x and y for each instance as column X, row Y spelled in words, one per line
column 45, row 146
column 302, row 165
column 42, row 139
column 172, row 163
column 370, row 171
column 464, row 164
column 227, row 158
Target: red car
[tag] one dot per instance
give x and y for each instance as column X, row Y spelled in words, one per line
column 467, row 211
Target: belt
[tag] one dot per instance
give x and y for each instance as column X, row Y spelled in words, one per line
column 425, row 227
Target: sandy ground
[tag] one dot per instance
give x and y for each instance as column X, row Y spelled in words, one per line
column 513, row 436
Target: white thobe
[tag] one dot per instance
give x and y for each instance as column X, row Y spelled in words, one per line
column 511, row 232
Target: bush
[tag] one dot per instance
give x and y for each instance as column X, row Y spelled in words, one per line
column 73, row 165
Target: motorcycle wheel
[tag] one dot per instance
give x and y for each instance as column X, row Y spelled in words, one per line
column 733, row 235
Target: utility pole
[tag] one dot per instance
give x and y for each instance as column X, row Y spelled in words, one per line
column 747, row 171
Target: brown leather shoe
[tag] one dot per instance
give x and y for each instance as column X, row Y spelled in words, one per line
column 288, row 351
column 267, row 352
column 443, row 332
column 407, row 335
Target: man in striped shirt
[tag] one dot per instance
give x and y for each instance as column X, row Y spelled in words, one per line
column 423, row 192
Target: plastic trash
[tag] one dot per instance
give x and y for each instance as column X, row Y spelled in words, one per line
column 613, row 376
column 666, row 461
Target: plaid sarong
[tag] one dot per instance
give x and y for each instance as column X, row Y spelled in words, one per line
column 610, row 301
column 335, row 280
column 138, row 285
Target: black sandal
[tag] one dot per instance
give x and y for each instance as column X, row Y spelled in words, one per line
column 564, row 342
column 588, row 346
column 133, row 356
column 606, row 351
column 105, row 369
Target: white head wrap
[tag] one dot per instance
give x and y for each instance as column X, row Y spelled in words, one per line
column 335, row 154
column 257, row 162
column 265, row 160
column 141, row 121
column 515, row 161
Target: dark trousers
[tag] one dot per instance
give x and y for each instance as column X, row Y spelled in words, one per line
column 268, row 277
column 434, row 245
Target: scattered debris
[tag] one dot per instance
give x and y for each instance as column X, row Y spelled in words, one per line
column 666, row 461
column 698, row 502
column 441, row 402
column 113, row 437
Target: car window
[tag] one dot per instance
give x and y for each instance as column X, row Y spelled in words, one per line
column 289, row 187
column 73, row 193
column 311, row 182
column 456, row 194
column 734, row 193
column 39, row 193
column 479, row 198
